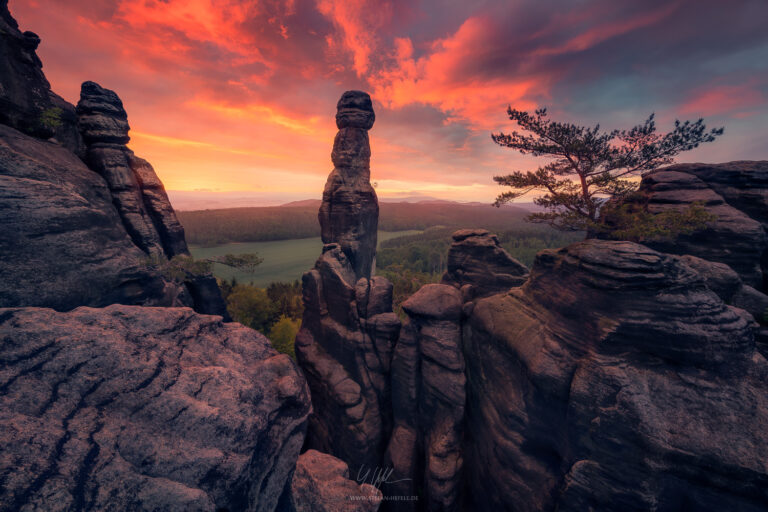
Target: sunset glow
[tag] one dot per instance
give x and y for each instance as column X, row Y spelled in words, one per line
column 239, row 96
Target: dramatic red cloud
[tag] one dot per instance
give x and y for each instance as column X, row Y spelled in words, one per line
column 737, row 101
column 239, row 95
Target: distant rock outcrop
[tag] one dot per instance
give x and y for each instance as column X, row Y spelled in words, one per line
column 26, row 100
column 135, row 408
column 349, row 214
column 477, row 259
column 322, row 483
column 614, row 378
column 348, row 330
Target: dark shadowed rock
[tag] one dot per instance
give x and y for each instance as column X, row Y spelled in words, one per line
column 614, row 378
column 62, row 243
column 345, row 348
column 348, row 330
column 349, row 214
column 428, row 396
column 137, row 191
column 131, row 408
column 476, row 258
column 737, row 236
column 26, row 100
column 322, row 483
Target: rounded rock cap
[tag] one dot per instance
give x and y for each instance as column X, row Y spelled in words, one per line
column 355, row 110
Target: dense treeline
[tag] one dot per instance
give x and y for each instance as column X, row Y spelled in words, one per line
column 275, row 311
column 217, row 227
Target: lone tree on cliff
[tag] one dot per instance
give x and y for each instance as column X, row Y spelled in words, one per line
column 590, row 166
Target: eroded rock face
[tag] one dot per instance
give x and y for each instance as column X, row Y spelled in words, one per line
column 614, row 377
column 477, row 259
column 735, row 193
column 345, row 347
column 322, row 483
column 349, row 214
column 348, row 329
column 26, row 100
column 136, row 191
column 135, row 408
column 428, row 396
column 62, row 243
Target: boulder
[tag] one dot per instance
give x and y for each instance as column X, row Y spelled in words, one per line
column 136, row 408
column 322, row 483
column 614, row 378
column 26, row 100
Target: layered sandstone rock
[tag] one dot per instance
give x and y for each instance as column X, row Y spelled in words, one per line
column 614, row 378
column 348, row 329
column 428, row 397
column 63, row 244
column 477, row 259
column 136, row 191
column 135, row 408
column 735, row 193
column 322, row 483
column 349, row 214
column 26, row 100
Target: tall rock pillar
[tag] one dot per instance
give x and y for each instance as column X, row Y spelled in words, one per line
column 349, row 330
column 349, row 215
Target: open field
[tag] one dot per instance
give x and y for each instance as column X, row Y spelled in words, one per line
column 284, row 260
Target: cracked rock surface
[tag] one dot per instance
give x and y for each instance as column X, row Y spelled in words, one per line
column 136, row 408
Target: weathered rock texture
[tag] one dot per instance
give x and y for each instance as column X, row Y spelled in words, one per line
column 614, row 379
column 135, row 408
column 70, row 236
column 62, row 243
column 137, row 192
column 322, row 483
column 477, row 259
column 26, row 100
column 428, row 396
column 736, row 194
column 348, row 330
column 349, row 214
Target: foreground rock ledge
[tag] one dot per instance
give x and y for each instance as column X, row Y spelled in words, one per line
column 135, row 408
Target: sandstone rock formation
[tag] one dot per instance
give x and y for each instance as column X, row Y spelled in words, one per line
column 348, row 329
column 477, row 259
column 136, row 191
column 322, row 483
column 614, row 378
column 70, row 236
column 63, row 244
column 349, row 214
column 428, row 397
column 26, row 100
column 735, row 193
column 135, row 408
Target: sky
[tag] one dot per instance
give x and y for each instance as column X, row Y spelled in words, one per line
column 234, row 101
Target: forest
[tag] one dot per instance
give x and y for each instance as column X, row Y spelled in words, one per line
column 209, row 228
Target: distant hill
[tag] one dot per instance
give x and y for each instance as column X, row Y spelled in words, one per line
column 299, row 220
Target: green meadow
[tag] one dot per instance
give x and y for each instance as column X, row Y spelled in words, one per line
column 284, row 260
